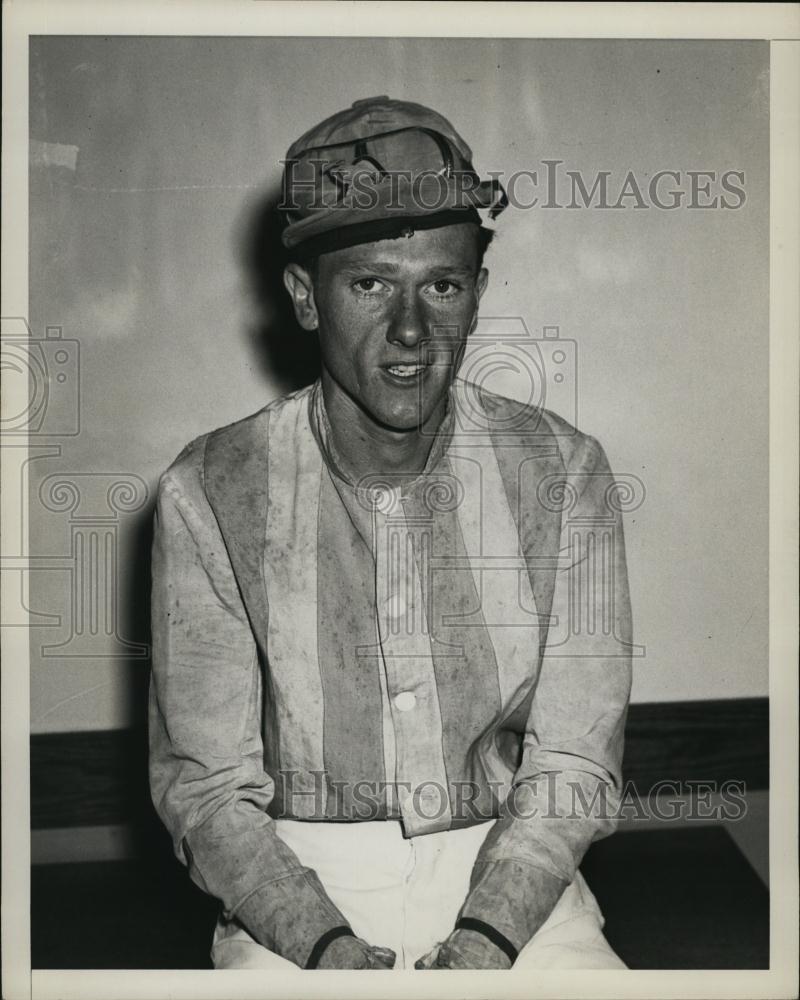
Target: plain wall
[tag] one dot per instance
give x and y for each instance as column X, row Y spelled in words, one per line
column 140, row 253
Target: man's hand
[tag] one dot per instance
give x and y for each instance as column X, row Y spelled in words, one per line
column 355, row 953
column 464, row 949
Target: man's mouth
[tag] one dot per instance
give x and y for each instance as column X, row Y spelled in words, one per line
column 406, row 371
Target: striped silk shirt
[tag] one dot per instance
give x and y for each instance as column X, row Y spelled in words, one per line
column 436, row 651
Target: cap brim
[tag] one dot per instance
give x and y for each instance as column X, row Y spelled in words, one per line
column 375, row 230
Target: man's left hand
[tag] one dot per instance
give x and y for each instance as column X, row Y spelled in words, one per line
column 464, row 949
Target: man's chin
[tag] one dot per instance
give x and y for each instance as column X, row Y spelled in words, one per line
column 401, row 423
column 410, row 415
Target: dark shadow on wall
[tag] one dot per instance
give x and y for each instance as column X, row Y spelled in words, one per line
column 137, row 614
column 135, row 809
column 285, row 353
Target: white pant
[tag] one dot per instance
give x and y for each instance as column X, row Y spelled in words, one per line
column 406, row 894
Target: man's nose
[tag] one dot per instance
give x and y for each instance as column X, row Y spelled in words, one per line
column 407, row 325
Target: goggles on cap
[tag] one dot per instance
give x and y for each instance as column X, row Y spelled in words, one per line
column 380, row 186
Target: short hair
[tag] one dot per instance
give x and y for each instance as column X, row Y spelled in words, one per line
column 485, row 237
column 310, row 263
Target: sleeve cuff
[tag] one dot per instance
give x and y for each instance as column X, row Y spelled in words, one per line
column 293, row 917
column 512, row 898
column 490, row 933
column 322, row 943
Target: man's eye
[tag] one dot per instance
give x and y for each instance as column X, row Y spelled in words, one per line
column 367, row 285
column 445, row 287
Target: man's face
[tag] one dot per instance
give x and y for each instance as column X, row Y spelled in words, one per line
column 393, row 319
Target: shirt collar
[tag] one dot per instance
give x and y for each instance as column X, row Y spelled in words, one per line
column 321, row 428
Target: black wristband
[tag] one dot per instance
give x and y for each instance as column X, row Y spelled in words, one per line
column 324, row 941
column 502, row 942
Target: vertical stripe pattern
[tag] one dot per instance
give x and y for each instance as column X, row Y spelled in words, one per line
column 498, row 569
column 290, row 572
column 463, row 656
column 348, row 662
column 403, row 638
column 410, row 679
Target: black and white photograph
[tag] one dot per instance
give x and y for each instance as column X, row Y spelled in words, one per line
column 399, row 453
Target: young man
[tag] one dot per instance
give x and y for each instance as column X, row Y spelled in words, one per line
column 378, row 735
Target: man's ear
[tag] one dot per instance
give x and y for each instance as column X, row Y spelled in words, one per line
column 301, row 288
column 481, row 281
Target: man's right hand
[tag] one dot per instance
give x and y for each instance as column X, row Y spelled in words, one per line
column 355, row 953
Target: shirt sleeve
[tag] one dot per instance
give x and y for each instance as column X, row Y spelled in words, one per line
column 207, row 777
column 567, row 789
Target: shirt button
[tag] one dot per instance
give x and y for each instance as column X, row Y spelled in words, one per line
column 405, row 701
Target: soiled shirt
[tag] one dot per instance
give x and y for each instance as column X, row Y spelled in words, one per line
column 435, row 651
